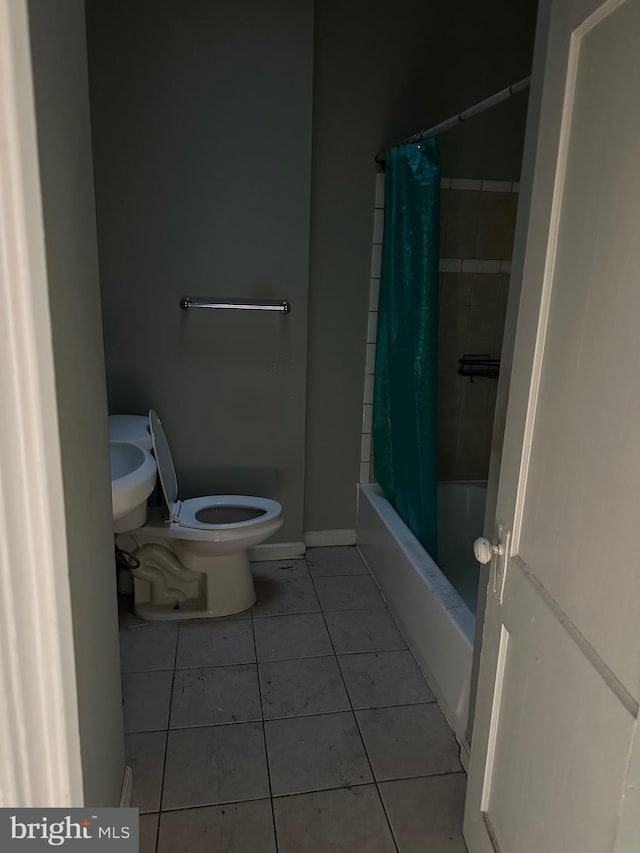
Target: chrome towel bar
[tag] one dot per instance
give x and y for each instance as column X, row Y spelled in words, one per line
column 187, row 303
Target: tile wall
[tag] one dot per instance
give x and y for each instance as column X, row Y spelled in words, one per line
column 366, row 447
column 476, row 240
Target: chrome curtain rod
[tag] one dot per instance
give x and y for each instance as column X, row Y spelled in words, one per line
column 454, row 121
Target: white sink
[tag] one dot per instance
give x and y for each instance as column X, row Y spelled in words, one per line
column 133, row 476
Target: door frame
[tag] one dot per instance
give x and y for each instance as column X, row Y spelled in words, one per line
column 40, row 761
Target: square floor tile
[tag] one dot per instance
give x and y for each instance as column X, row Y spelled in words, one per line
column 145, row 755
column 224, row 694
column 426, row 814
column 364, row 631
column 217, row 764
column 146, row 697
column 311, row 753
column 235, row 828
column 147, row 830
column 378, row 679
column 292, row 688
column 215, row 644
column 355, row 592
column 147, row 646
column 339, row 560
column 284, row 637
column 346, row 820
column 278, row 597
column 413, row 740
column 279, row 570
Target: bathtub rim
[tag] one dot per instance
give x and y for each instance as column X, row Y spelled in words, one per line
column 437, row 624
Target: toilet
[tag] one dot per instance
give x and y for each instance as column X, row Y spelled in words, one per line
column 192, row 553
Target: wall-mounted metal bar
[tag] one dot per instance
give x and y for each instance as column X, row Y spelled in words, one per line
column 187, row 303
column 465, row 115
column 479, row 367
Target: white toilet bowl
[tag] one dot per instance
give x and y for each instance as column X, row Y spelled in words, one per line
column 193, row 553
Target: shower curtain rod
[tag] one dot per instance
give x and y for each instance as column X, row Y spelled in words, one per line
column 476, row 109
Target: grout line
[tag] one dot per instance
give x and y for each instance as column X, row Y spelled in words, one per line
column 362, row 740
column 343, row 654
column 213, row 805
column 326, row 610
column 346, row 574
column 286, row 580
column 375, row 780
column 382, row 781
column 283, row 660
column 310, row 576
column 487, row 185
column 310, row 791
column 166, row 741
column 264, row 719
column 264, row 735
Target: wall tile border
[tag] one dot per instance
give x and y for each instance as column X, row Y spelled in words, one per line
column 466, row 184
column 470, row 265
column 480, row 265
column 480, row 185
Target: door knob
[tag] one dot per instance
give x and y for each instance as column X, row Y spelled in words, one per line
column 483, row 550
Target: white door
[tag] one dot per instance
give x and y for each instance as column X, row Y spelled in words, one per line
column 555, row 754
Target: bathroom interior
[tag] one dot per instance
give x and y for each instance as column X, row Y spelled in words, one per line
column 233, row 150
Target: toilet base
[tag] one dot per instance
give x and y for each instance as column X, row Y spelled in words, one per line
column 173, row 584
column 168, row 613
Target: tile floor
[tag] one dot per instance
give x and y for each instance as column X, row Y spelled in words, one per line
column 301, row 726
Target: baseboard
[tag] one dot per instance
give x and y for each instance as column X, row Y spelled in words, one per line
column 295, row 550
column 277, row 551
column 325, row 538
column 126, row 791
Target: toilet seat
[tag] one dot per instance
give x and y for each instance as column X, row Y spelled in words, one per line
column 184, row 514
column 263, row 510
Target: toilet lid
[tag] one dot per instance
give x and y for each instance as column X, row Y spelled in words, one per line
column 164, row 460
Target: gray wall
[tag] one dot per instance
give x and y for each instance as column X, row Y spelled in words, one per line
column 64, row 139
column 381, row 73
column 201, row 118
column 475, row 225
column 201, row 114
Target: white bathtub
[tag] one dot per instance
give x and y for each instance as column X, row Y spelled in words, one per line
column 435, row 619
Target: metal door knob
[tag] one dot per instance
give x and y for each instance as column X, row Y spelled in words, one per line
column 483, row 550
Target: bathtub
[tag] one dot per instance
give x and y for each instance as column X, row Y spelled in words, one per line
column 437, row 621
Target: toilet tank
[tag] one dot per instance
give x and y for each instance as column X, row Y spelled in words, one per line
column 131, row 428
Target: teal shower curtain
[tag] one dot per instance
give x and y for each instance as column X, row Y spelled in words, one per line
column 405, row 422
